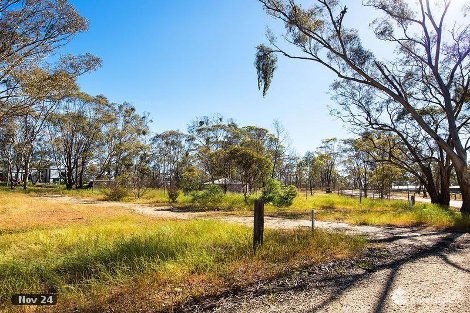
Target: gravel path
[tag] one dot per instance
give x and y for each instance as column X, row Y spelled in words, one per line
column 400, row 273
column 403, row 270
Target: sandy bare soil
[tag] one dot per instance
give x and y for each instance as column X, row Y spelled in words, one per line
column 404, row 270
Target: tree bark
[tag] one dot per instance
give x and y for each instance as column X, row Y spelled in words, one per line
column 444, row 194
column 429, row 185
column 69, row 173
column 69, row 180
column 81, row 173
column 463, row 178
column 26, row 175
column 27, row 162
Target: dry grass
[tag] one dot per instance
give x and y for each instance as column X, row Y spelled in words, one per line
column 21, row 212
column 100, row 258
column 230, row 265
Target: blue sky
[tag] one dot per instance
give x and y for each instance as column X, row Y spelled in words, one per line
column 181, row 59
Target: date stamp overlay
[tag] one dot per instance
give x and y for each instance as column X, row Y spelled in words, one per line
column 34, row 299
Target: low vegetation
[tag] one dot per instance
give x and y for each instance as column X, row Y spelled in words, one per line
column 278, row 195
column 332, row 207
column 97, row 255
column 328, row 207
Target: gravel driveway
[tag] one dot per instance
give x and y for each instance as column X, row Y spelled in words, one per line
column 409, row 270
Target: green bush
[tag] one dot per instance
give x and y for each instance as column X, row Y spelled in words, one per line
column 118, row 190
column 271, row 190
column 287, row 196
column 190, row 180
column 173, row 194
column 278, row 195
column 212, row 195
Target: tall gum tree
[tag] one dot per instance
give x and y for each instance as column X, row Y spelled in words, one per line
column 431, row 67
column 387, row 130
column 30, row 31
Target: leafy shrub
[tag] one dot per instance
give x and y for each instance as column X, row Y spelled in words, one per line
column 190, row 180
column 278, row 195
column 212, row 195
column 118, row 190
column 173, row 194
column 271, row 190
column 287, row 196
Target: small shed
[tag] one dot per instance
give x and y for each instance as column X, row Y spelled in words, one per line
column 228, row 184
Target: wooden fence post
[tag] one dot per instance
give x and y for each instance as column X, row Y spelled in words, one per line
column 312, row 216
column 259, row 224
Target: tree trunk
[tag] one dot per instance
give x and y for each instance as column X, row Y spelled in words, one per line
column 366, row 182
column 433, row 195
column 10, row 169
column 273, row 172
column 437, row 196
column 444, row 194
column 26, row 172
column 463, row 177
column 75, row 175
column 81, row 174
column 69, row 180
column 10, row 174
column 69, row 173
column 17, row 175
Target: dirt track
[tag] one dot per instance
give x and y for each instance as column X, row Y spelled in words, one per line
column 405, row 270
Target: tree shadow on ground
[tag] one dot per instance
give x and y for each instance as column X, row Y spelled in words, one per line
column 334, row 280
column 436, row 249
column 400, row 236
column 445, row 258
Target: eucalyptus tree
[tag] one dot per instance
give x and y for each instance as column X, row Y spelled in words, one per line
column 383, row 176
column 122, row 140
column 279, row 147
column 431, row 68
column 139, row 175
column 75, row 131
column 31, row 125
column 212, row 137
column 170, row 152
column 8, row 139
column 30, row 31
column 288, row 169
column 403, row 141
column 358, row 162
column 40, row 92
column 252, row 168
column 309, row 161
column 327, row 159
column 424, row 160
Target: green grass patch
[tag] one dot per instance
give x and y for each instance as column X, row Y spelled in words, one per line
column 333, row 207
